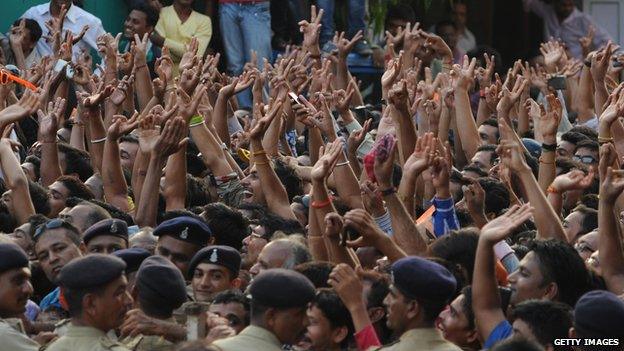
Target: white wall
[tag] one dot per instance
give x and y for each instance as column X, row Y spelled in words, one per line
column 609, row 14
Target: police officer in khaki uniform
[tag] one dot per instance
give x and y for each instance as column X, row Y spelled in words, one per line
column 94, row 288
column 159, row 289
column 279, row 300
column 420, row 290
column 15, row 289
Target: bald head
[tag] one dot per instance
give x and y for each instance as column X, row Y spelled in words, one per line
column 282, row 253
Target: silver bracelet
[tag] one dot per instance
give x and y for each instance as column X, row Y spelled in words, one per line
column 342, row 163
column 97, row 141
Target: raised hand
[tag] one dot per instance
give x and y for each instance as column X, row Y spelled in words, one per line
column 125, row 62
column 357, row 137
column 465, row 73
column 373, row 203
column 511, row 155
column 573, row 180
column 437, row 45
column 164, row 66
column 509, row 98
column 484, row 75
column 189, row 79
column 26, row 106
column 500, row 227
column 600, row 62
column 187, row 105
column 312, row 29
column 342, row 99
column 48, row 123
column 549, row 121
column 262, row 124
column 140, row 49
column 344, row 45
column 238, row 84
column 92, row 101
column 17, row 35
column 384, row 161
column 345, row 281
column 328, row 157
column 120, row 125
column 363, row 223
column 475, row 198
column 586, row 41
column 119, row 95
column 392, row 71
column 612, row 185
column 189, row 59
column 422, row 156
column 553, row 53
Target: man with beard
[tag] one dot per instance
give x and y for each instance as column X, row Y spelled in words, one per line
column 94, row 288
column 278, row 315
column 15, row 289
column 57, row 243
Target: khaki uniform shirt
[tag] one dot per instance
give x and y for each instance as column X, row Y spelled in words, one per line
column 426, row 339
column 85, row 339
column 148, row 343
column 250, row 338
column 14, row 339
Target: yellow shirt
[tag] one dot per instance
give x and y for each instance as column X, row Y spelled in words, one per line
column 178, row 34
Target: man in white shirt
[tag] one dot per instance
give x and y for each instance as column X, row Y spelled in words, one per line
column 562, row 20
column 465, row 39
column 75, row 20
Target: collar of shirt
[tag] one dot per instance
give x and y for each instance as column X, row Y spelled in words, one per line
column 84, row 331
column 72, row 14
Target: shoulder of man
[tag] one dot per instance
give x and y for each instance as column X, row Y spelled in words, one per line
column 106, row 343
column 147, row 342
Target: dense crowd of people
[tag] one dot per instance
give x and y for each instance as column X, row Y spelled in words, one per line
column 155, row 202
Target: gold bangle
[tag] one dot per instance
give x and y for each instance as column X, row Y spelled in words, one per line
column 261, row 163
column 259, row 152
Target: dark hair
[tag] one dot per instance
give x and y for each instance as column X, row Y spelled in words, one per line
column 114, row 211
column 96, row 212
column 328, row 301
column 475, row 169
column 467, row 306
column 35, row 221
column 194, row 164
column 401, row 12
column 32, row 26
column 129, row 138
column 444, row 23
column 588, row 144
column 590, row 201
column 179, row 213
column 289, row 178
column 197, row 192
column 228, row 224
column 517, row 344
column 39, row 197
column 590, row 218
column 76, row 161
column 317, row 271
column 458, row 247
column 587, row 131
column 273, row 223
column 573, row 137
column 548, row 320
column 36, row 162
column 492, row 122
column 496, row 195
column 151, row 15
column 76, row 187
column 561, row 264
column 490, row 51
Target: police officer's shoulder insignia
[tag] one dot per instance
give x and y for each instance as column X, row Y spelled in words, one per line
column 109, row 344
column 184, row 233
column 213, row 257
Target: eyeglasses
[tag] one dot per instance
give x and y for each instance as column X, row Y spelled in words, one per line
column 6, row 78
column 51, row 224
column 584, row 159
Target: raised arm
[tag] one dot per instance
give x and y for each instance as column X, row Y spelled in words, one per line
column 114, row 183
column 610, row 247
column 548, row 124
column 16, row 181
column 465, row 121
column 143, row 81
column 48, row 126
column 486, row 302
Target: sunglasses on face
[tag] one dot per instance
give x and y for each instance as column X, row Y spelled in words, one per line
column 6, row 78
column 584, row 159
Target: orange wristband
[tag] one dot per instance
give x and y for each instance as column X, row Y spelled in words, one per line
column 552, row 190
column 321, row 204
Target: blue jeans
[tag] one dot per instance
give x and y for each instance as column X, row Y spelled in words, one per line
column 245, row 28
column 357, row 12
